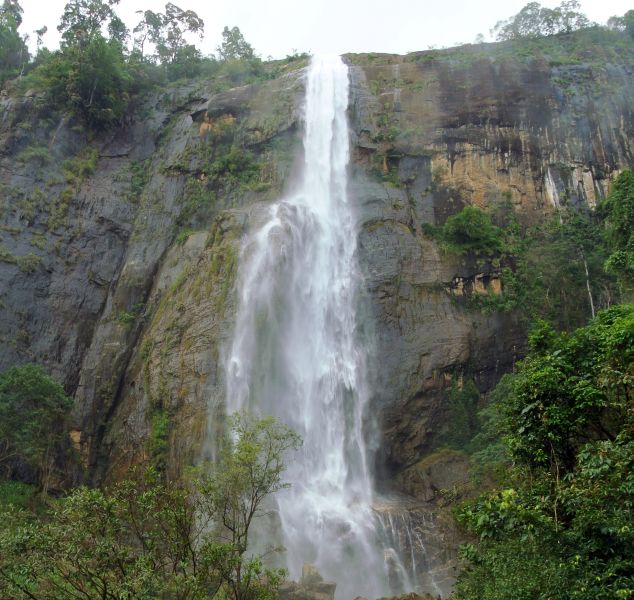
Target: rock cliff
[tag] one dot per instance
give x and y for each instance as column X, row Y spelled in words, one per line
column 118, row 251
column 481, row 125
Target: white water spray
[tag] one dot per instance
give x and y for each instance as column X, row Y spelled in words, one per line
column 295, row 354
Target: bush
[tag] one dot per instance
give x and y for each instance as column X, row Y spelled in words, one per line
column 471, row 230
column 38, row 154
column 15, row 493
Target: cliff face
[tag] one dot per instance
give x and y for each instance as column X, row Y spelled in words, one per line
column 95, row 247
column 118, row 252
column 443, row 130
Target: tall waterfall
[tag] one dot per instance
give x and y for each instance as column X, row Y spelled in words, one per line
column 295, row 353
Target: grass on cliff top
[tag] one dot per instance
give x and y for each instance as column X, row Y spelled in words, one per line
column 593, row 45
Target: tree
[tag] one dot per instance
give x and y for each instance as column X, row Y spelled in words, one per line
column 12, row 11
column 167, row 32
column 567, row 17
column 234, row 46
column 147, row 29
column 471, row 230
column 617, row 213
column 249, row 470
column 91, row 79
column 138, row 539
column 560, row 527
column 572, row 388
column 40, row 33
column 551, row 267
column 13, row 50
column 147, row 538
column 84, row 20
column 33, row 414
column 624, row 23
column 89, row 76
column 616, row 23
column 535, row 20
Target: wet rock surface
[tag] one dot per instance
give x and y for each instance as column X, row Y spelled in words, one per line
column 310, row 587
column 435, row 132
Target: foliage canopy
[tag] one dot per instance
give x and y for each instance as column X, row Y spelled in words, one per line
column 617, row 211
column 535, row 20
column 147, row 538
column 561, row 526
column 33, row 413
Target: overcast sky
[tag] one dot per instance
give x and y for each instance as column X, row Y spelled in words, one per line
column 277, row 27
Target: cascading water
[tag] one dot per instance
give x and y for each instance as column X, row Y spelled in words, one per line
column 295, row 354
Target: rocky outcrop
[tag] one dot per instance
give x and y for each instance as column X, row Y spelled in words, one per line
column 310, row 587
column 443, row 474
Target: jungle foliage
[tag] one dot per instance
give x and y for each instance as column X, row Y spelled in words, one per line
column 562, row 270
column 14, row 53
column 617, row 213
column 148, row 538
column 34, row 413
column 102, row 69
column 535, row 20
column 560, row 524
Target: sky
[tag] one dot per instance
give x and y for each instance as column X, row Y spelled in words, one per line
column 276, row 28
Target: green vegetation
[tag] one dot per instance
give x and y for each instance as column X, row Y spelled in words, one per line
column 563, row 270
column 183, row 236
column 33, row 413
column 592, row 46
column 77, row 169
column 98, row 78
column 38, row 240
column 560, row 525
column 249, row 471
column 554, row 271
column 624, row 23
column 471, row 230
column 127, row 317
column 234, row 46
column 158, row 441
column 14, row 53
column 139, row 175
column 145, row 538
column 463, row 402
column 38, row 154
column 6, row 256
column 617, row 212
column 89, row 75
column 29, row 262
column 535, row 20
column 237, row 165
column 15, row 494
column 166, row 31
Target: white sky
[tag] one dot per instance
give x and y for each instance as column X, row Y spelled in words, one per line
column 277, row 27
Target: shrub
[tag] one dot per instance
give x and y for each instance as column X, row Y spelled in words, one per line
column 471, row 230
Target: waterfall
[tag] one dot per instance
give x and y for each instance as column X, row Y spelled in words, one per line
column 411, row 566
column 295, row 352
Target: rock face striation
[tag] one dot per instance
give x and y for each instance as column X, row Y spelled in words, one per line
column 118, row 252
